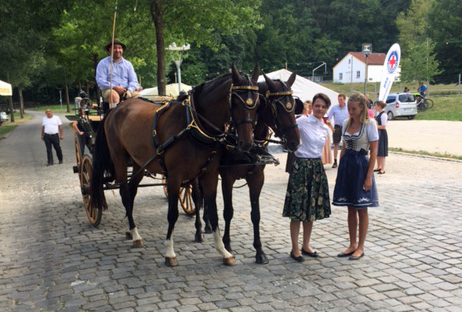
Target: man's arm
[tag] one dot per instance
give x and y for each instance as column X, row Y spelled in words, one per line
column 101, row 76
column 42, row 132
column 132, row 79
column 60, row 132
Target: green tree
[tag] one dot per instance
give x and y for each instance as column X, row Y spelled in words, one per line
column 445, row 20
column 418, row 61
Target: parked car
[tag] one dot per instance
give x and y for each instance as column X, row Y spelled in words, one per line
column 401, row 105
column 3, row 117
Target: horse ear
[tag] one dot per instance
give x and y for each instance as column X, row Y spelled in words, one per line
column 270, row 83
column 291, row 80
column 256, row 73
column 235, row 73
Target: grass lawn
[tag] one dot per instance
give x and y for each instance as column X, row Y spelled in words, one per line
column 445, row 108
column 8, row 126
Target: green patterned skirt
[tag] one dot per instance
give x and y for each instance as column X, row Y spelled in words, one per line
column 307, row 197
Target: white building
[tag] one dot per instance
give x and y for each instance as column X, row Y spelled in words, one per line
column 352, row 68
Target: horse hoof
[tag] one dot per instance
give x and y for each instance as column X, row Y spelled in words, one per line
column 138, row 243
column 261, row 259
column 198, row 239
column 171, row 262
column 229, row 261
column 128, row 235
column 208, row 230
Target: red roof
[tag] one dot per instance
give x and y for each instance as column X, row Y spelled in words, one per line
column 372, row 59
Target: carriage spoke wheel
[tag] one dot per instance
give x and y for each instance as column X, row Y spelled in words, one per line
column 78, row 154
column 93, row 213
column 185, row 197
column 186, row 201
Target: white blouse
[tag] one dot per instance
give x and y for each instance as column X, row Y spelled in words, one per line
column 313, row 134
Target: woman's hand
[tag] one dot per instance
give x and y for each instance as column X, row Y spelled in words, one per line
column 367, row 183
column 81, row 133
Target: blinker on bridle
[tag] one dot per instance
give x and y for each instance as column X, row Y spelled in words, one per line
column 288, row 106
column 250, row 103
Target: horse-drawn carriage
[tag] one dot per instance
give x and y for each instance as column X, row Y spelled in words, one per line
column 187, row 140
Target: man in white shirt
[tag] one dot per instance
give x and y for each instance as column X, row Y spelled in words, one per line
column 52, row 132
column 339, row 113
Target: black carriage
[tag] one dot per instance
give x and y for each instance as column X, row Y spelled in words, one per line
column 89, row 118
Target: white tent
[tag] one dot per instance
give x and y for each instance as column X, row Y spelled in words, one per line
column 303, row 88
column 170, row 89
column 5, row 89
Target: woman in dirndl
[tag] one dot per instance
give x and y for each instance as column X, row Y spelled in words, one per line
column 382, row 149
column 355, row 185
column 307, row 197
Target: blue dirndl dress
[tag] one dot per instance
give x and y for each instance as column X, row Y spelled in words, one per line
column 352, row 171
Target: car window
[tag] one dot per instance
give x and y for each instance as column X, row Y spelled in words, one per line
column 390, row 99
column 406, row 97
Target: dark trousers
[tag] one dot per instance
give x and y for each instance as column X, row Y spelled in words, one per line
column 53, row 139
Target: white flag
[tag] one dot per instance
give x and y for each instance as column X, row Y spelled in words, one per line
column 390, row 71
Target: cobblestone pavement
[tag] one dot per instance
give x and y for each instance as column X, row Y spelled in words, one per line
column 52, row 259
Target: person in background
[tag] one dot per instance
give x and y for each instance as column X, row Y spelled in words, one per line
column 52, row 132
column 382, row 150
column 339, row 113
column 123, row 83
column 307, row 108
column 406, row 89
column 307, row 197
column 422, row 89
column 355, row 185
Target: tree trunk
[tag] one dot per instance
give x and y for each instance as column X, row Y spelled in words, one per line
column 10, row 101
column 157, row 14
column 68, row 103
column 21, row 103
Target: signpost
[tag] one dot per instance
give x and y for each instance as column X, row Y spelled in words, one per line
column 173, row 47
column 367, row 49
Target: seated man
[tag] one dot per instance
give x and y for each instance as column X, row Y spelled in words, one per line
column 124, row 81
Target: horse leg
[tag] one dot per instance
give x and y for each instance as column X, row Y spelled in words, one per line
column 255, row 182
column 228, row 211
column 173, row 189
column 197, row 199
column 132, row 190
column 209, row 186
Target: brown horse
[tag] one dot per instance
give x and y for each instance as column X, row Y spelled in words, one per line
column 182, row 140
column 277, row 111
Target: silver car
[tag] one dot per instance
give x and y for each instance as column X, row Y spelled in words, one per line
column 3, row 117
column 401, row 105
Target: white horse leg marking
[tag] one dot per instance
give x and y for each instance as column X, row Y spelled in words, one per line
column 219, row 245
column 135, row 235
column 170, row 253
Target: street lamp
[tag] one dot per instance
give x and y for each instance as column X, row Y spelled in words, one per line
column 367, row 49
column 325, row 70
column 182, row 49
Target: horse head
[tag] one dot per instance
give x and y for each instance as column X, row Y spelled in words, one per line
column 244, row 101
column 279, row 110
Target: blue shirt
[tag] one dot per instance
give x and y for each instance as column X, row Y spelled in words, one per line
column 339, row 114
column 123, row 74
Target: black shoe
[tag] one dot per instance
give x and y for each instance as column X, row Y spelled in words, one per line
column 310, row 254
column 298, row 259
column 344, row 255
column 356, row 258
column 49, row 164
column 335, row 164
column 60, row 162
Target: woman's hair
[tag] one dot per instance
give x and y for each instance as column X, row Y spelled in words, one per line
column 323, row 97
column 361, row 100
column 381, row 104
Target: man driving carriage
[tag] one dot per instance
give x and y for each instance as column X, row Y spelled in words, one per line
column 124, row 81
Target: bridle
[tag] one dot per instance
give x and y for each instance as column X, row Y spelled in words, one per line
column 285, row 100
column 249, row 102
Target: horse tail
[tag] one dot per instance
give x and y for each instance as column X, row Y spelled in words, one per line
column 102, row 164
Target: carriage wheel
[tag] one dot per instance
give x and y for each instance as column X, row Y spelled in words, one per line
column 78, row 153
column 93, row 213
column 185, row 197
column 186, row 200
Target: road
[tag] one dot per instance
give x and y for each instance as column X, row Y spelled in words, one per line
column 51, row 259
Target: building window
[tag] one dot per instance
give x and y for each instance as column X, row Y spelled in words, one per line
column 358, row 74
column 340, row 76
